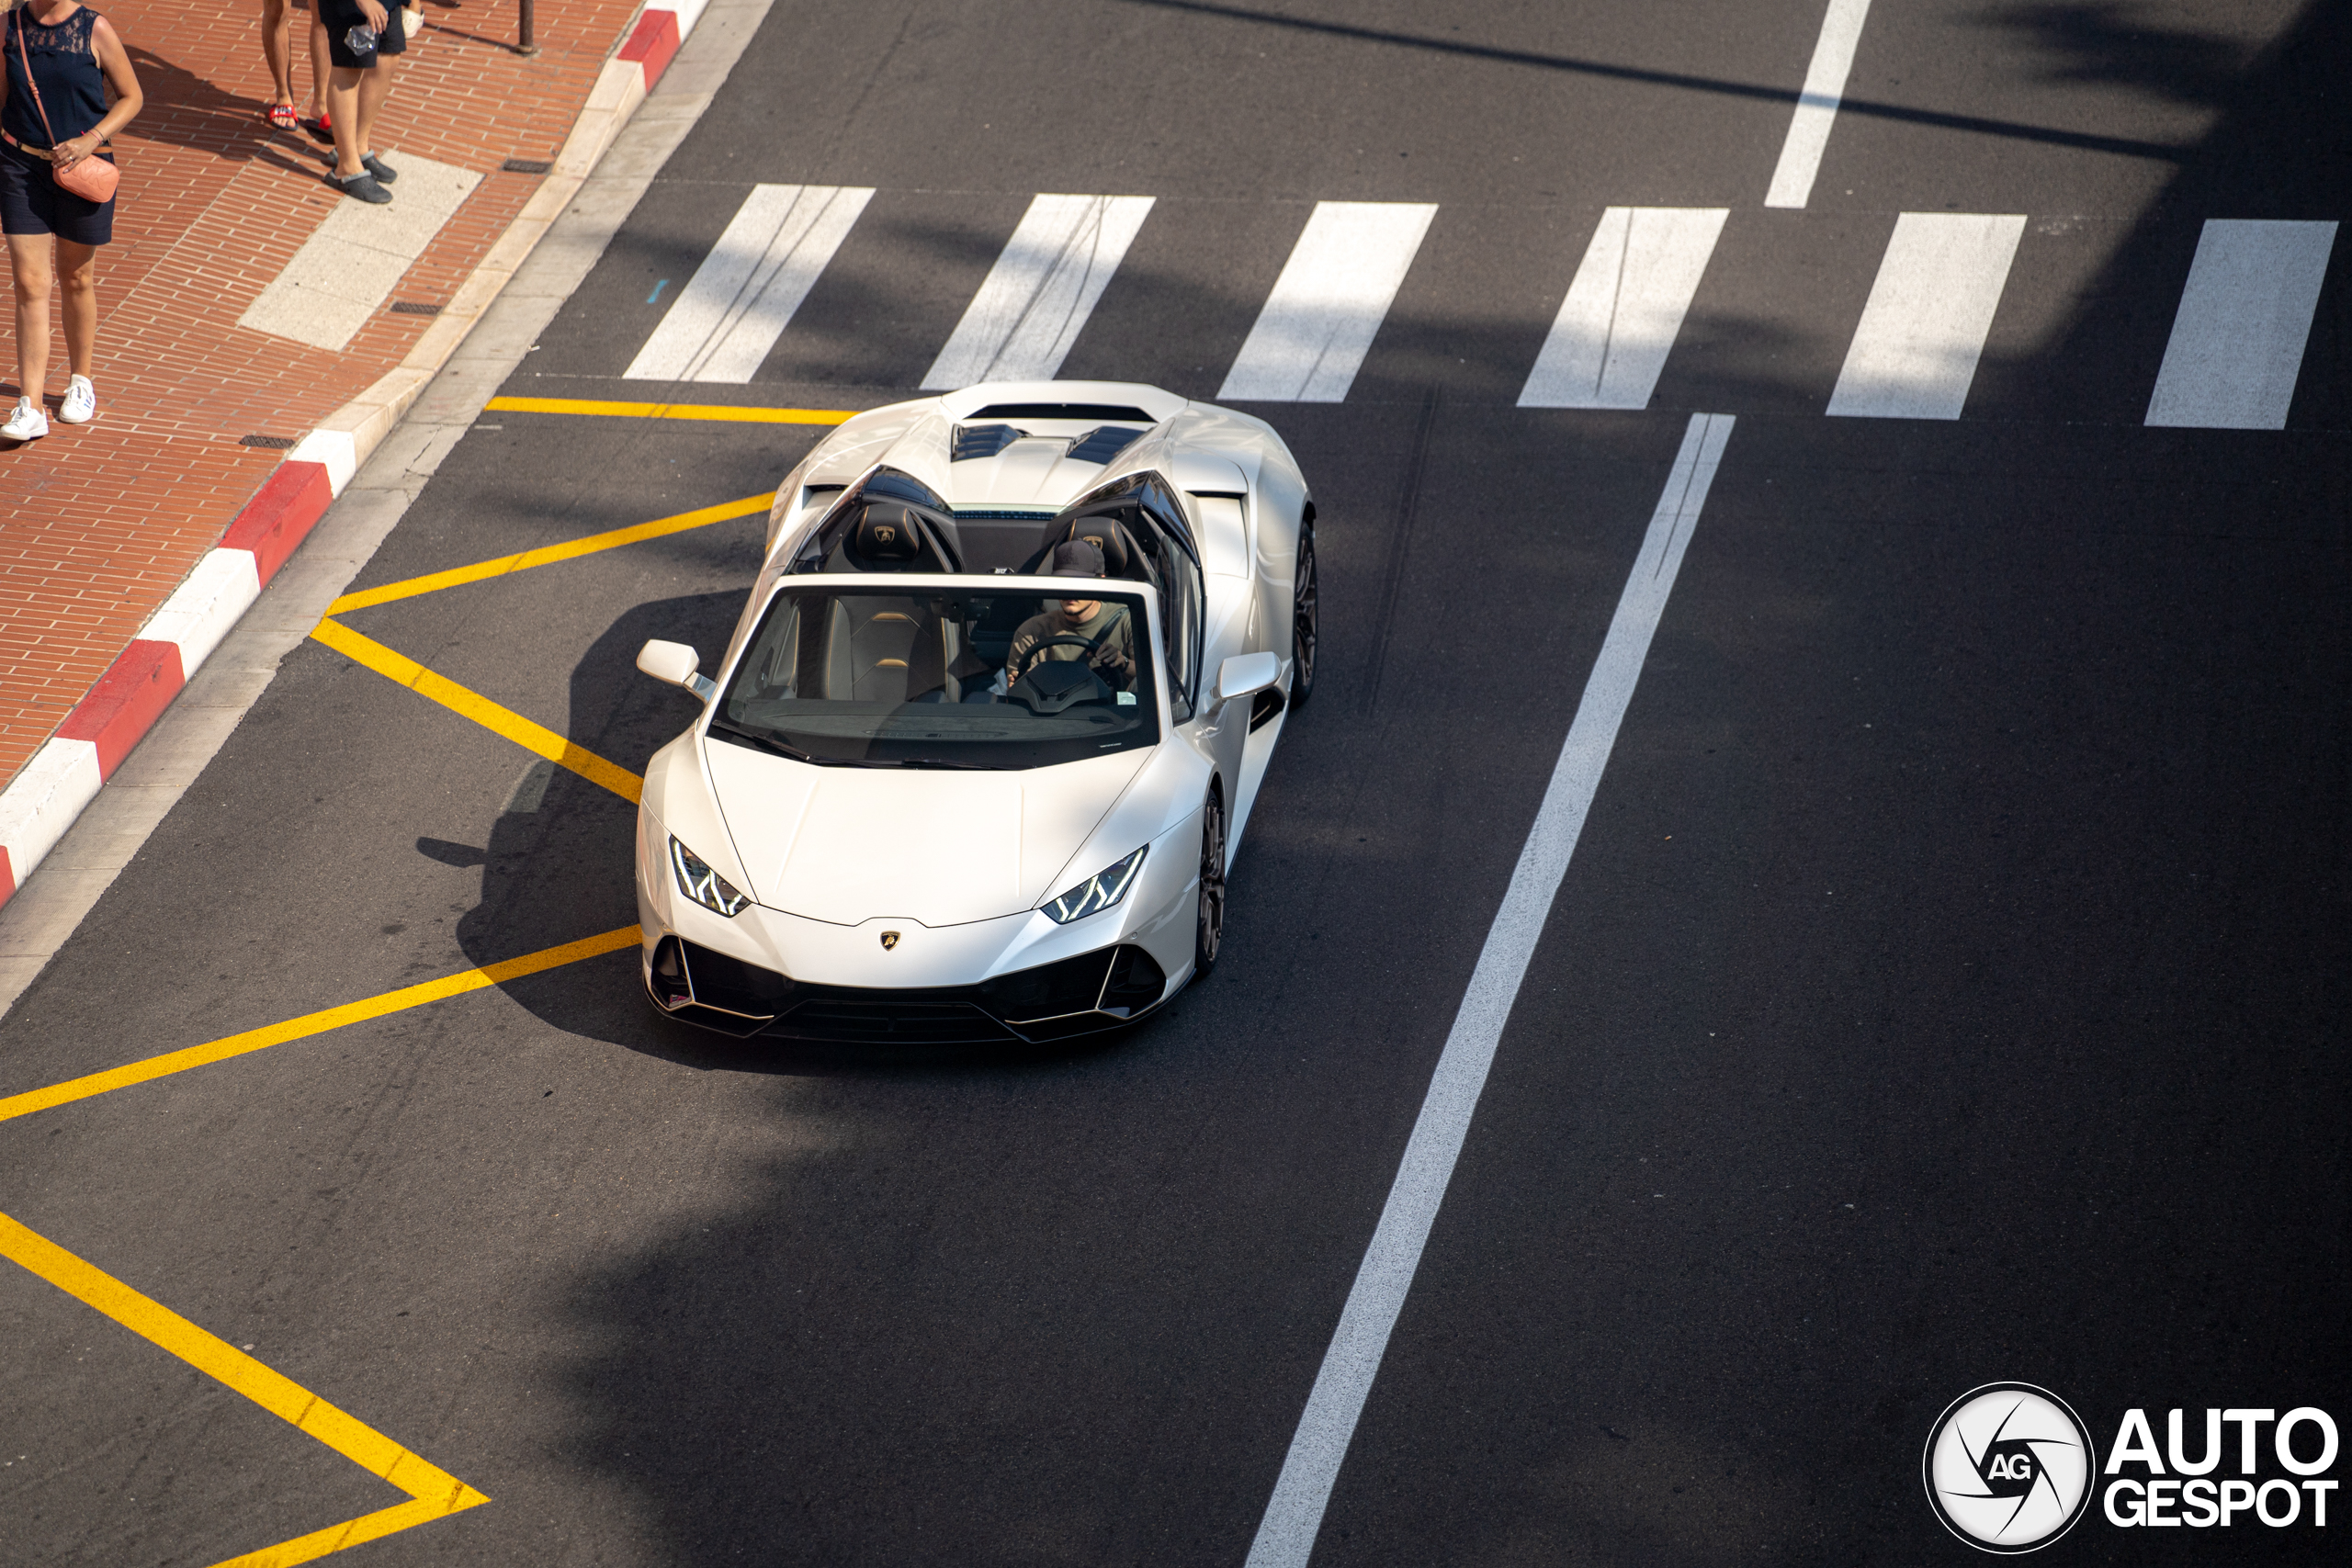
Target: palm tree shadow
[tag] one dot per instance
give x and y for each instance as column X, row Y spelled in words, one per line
column 2108, row 43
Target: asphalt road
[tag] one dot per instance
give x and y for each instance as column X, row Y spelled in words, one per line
column 1949, row 987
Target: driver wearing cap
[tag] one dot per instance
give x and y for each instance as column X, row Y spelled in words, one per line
column 1106, row 632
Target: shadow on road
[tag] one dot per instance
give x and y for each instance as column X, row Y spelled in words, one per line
column 1069, row 1312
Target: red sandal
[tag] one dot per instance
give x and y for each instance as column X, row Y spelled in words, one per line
column 282, row 116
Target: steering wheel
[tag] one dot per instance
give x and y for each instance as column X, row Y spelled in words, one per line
column 1029, row 659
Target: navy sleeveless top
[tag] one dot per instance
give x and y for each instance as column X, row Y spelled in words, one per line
column 65, row 67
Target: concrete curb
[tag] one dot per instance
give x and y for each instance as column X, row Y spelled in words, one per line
column 65, row 775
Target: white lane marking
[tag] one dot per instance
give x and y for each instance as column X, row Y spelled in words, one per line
column 1916, row 349
column 1286, row 1536
column 1612, row 336
column 350, row 264
column 739, row 300
column 1317, row 324
column 2237, row 343
column 1824, row 86
column 1035, row 299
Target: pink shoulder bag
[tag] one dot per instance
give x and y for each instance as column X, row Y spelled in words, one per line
column 91, row 179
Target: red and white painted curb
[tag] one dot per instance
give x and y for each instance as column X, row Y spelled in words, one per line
column 660, row 27
column 42, row 801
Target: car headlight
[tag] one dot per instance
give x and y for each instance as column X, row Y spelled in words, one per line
column 704, row 886
column 1098, row 892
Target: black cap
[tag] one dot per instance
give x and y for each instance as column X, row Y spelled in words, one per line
column 1075, row 557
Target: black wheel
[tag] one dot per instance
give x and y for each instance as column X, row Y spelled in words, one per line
column 1302, row 620
column 1209, row 930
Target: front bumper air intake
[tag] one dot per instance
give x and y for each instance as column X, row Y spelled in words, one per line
column 1053, row 1001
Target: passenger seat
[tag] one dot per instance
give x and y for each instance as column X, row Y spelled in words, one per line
column 889, row 650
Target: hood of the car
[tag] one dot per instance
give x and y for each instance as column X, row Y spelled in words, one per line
column 939, row 848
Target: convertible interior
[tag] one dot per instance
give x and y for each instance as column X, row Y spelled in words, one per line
column 892, row 523
column 873, row 646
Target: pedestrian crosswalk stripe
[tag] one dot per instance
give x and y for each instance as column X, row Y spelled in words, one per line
column 1316, row 327
column 1612, row 336
column 1034, row 302
column 1914, row 352
column 2245, row 315
column 742, row 296
column 1816, row 112
column 2248, row 307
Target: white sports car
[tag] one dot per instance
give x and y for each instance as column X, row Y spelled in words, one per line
column 977, row 760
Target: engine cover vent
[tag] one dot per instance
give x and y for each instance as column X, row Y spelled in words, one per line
column 981, row 441
column 1101, row 446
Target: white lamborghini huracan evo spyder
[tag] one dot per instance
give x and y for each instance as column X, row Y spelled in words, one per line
column 948, row 784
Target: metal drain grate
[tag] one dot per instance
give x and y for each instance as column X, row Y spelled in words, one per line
column 525, row 166
column 269, row 443
column 414, row 308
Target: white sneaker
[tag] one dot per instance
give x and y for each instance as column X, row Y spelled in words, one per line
column 80, row 404
column 27, row 424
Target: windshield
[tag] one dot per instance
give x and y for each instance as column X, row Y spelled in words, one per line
column 947, row 678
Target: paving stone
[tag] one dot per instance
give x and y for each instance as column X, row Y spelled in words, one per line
column 98, row 524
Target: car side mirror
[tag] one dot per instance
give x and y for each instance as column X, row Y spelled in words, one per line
column 678, row 665
column 1247, row 674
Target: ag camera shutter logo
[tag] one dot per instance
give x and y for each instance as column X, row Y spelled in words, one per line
column 2009, row 1467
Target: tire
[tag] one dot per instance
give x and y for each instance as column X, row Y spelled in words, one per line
column 1208, row 925
column 1303, row 626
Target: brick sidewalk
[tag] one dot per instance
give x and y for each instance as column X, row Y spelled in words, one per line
column 98, row 524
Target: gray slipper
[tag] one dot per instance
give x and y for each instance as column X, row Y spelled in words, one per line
column 379, row 168
column 362, row 186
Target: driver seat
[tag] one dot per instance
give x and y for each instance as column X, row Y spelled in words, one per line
column 1106, row 534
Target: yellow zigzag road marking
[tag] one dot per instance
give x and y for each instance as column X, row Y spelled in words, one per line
column 311, row 1024
column 400, row 669
column 727, row 413
column 432, row 1493
column 482, row 571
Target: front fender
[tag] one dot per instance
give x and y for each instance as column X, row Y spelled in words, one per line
column 1166, row 793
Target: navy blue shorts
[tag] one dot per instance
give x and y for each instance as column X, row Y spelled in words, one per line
column 341, row 16
column 32, row 202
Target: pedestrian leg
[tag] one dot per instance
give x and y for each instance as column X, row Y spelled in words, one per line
column 77, row 269
column 277, row 16
column 374, row 86
column 29, row 261
column 343, row 105
column 321, row 67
